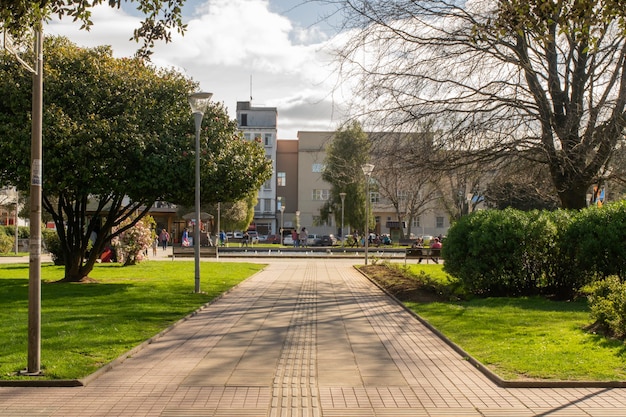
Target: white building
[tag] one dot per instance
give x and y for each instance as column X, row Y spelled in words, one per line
column 259, row 124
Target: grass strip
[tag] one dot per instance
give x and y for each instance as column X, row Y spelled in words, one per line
column 526, row 338
column 84, row 326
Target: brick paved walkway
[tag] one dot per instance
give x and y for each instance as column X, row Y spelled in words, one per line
column 303, row 338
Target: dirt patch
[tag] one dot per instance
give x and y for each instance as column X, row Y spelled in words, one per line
column 402, row 286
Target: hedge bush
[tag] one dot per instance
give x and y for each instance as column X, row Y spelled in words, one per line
column 595, row 242
column 7, row 243
column 607, row 302
column 507, row 252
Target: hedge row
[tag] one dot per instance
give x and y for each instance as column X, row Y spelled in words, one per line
column 512, row 253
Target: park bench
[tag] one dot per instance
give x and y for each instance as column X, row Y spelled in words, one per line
column 423, row 253
column 189, row 251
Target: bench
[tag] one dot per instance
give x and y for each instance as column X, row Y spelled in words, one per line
column 422, row 253
column 189, row 251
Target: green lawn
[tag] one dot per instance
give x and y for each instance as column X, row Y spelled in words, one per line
column 526, row 338
column 84, row 326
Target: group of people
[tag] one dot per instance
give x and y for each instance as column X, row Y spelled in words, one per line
column 435, row 244
column 300, row 239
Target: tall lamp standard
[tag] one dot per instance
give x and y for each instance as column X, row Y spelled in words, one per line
column 199, row 103
column 282, row 224
column 343, row 235
column 367, row 170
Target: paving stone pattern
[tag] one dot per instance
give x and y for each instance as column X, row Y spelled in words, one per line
column 303, row 338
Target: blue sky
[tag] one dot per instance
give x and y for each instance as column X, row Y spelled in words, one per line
column 282, row 45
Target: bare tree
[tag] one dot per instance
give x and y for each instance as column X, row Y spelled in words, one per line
column 411, row 187
column 497, row 77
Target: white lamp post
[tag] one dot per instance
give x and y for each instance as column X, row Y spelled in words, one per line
column 199, row 103
column 282, row 224
column 343, row 235
column 367, row 170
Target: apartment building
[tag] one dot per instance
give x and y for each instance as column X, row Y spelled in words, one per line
column 260, row 124
column 312, row 192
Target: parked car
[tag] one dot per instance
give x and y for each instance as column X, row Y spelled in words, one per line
column 327, row 240
column 274, row 239
column 288, row 240
column 237, row 234
column 311, row 240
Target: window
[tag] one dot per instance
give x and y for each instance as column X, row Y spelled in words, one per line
column 267, row 185
column 257, row 137
column 318, row 168
column 281, row 179
column 416, row 222
column 321, row 194
column 267, row 205
column 403, row 196
column 439, row 222
column 244, row 119
column 268, row 139
column 374, row 197
column 246, row 136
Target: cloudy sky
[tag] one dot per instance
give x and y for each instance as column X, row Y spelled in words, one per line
column 277, row 51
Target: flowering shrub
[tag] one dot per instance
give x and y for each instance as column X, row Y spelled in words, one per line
column 131, row 244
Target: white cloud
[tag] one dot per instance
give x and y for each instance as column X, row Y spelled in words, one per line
column 226, row 42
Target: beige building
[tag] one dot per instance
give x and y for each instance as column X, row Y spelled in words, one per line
column 304, row 199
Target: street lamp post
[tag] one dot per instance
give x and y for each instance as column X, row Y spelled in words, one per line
column 282, row 224
column 199, row 103
column 343, row 235
column 367, row 170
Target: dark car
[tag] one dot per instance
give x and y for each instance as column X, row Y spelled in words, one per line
column 272, row 239
column 326, row 240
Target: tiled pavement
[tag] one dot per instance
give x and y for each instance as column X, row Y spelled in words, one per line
column 303, row 338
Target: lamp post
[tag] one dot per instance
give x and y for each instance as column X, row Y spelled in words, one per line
column 282, row 224
column 343, row 235
column 367, row 170
column 199, row 103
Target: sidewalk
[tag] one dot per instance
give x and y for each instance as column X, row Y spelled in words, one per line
column 303, row 338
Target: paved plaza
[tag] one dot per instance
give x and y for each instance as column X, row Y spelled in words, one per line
column 303, row 338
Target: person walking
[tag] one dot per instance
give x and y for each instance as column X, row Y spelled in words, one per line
column 164, row 238
column 304, row 235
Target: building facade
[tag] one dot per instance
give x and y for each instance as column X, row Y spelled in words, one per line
column 260, row 124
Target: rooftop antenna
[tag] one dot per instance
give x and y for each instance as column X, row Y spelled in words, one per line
column 250, row 87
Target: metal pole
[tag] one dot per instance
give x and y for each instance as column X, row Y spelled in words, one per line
column 17, row 234
column 367, row 212
column 343, row 235
column 196, row 231
column 219, row 230
column 34, row 271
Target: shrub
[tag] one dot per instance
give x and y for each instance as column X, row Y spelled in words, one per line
column 53, row 245
column 131, row 243
column 7, row 243
column 594, row 242
column 507, row 252
column 607, row 301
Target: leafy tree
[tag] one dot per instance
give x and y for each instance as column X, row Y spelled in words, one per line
column 345, row 155
column 118, row 135
column 161, row 16
column 499, row 77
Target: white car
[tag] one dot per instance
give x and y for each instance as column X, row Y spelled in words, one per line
column 287, row 240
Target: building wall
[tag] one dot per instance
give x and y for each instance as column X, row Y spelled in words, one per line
column 287, row 181
column 259, row 124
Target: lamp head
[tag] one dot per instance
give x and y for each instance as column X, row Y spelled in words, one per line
column 199, row 101
column 367, row 169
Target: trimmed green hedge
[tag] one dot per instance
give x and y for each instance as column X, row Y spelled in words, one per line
column 512, row 253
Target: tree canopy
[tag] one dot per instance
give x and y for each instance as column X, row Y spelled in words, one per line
column 117, row 136
column 540, row 79
column 345, row 155
column 17, row 16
